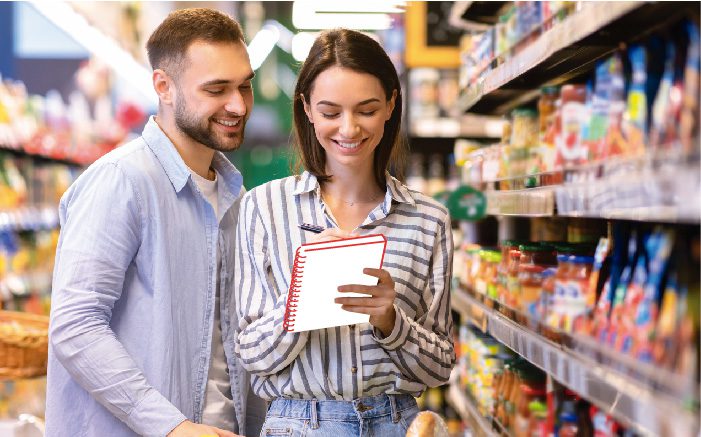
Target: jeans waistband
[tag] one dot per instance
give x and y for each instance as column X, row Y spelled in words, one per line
column 340, row 410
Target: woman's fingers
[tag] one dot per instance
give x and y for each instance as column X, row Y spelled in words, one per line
column 330, row 234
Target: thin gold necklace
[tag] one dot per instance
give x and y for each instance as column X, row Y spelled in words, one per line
column 353, row 202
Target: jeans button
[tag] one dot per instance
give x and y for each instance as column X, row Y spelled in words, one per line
column 354, row 370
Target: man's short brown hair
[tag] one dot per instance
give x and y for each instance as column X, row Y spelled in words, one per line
column 168, row 44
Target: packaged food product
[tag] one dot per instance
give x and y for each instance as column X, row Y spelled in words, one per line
column 635, row 119
column 547, row 107
column 530, row 278
column 659, row 249
column 570, row 150
column 556, row 311
column 513, row 287
column 575, row 297
column 615, row 142
column 689, row 118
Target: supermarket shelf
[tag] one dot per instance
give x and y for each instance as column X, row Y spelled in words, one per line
column 467, row 126
column 479, row 425
column 474, row 16
column 647, row 410
column 635, row 190
column 40, row 156
column 566, row 51
column 29, row 219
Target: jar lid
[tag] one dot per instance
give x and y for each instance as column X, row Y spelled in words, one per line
column 534, row 248
column 524, row 112
column 582, row 259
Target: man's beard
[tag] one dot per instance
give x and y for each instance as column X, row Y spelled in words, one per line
column 201, row 131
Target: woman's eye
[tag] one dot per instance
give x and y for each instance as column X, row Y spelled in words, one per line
column 327, row 115
column 368, row 113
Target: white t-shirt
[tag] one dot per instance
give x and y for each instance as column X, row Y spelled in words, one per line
column 218, row 404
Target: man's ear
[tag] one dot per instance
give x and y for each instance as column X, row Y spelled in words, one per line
column 307, row 108
column 163, row 85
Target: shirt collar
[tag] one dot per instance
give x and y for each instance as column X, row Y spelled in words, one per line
column 307, row 182
column 175, row 167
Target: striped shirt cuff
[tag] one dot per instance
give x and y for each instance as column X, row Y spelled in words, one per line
column 399, row 334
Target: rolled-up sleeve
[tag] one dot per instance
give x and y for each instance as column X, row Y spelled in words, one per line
column 264, row 346
column 422, row 348
column 101, row 225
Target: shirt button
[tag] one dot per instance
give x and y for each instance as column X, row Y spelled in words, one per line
column 354, row 369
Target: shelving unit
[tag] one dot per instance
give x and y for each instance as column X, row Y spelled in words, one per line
column 587, row 194
column 467, row 126
column 29, row 219
column 39, row 156
column 467, row 410
column 648, row 410
column 566, row 51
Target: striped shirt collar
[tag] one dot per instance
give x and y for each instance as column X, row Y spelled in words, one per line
column 175, row 167
column 307, row 182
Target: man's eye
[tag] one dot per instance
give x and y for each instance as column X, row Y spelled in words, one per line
column 215, row 92
column 246, row 86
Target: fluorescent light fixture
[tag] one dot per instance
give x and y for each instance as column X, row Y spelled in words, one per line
column 262, row 44
column 301, row 44
column 99, row 45
column 357, row 14
column 359, row 6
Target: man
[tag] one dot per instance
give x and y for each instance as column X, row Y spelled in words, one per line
column 142, row 322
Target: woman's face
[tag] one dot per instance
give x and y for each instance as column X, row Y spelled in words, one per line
column 348, row 110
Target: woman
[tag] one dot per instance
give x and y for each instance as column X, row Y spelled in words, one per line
column 359, row 379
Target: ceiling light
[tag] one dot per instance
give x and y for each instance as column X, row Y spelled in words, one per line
column 358, row 14
column 262, row 44
column 301, row 44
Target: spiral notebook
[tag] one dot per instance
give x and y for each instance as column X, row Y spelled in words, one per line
column 319, row 269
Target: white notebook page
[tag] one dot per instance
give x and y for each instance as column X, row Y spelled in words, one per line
column 325, row 267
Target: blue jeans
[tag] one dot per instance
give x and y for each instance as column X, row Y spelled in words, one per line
column 383, row 416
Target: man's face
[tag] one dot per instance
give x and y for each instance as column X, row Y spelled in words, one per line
column 214, row 94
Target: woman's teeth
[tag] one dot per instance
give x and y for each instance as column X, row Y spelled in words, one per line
column 348, row 145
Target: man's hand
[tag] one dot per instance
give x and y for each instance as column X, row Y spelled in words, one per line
column 190, row 429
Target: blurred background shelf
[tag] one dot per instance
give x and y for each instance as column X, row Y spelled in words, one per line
column 648, row 410
column 567, row 51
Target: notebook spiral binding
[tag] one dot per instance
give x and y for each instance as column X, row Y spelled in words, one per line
column 288, row 323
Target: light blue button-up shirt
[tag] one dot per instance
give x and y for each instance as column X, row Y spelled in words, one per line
column 133, row 294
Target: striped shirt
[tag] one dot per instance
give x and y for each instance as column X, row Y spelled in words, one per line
column 344, row 362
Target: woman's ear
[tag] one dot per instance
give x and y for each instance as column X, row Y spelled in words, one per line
column 390, row 104
column 307, row 108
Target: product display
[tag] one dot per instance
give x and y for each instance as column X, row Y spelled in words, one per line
column 566, row 148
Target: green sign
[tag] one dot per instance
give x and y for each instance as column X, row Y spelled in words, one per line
column 467, row 203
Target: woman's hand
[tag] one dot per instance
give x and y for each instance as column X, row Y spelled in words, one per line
column 329, row 234
column 380, row 304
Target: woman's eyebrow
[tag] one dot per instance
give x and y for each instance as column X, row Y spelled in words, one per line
column 364, row 102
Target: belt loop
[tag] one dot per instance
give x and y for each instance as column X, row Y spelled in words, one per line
column 396, row 415
column 315, row 419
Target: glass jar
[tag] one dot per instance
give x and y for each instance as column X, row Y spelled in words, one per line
column 512, row 284
column 557, row 309
column 524, row 132
column 530, row 278
column 541, row 254
column 578, row 287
